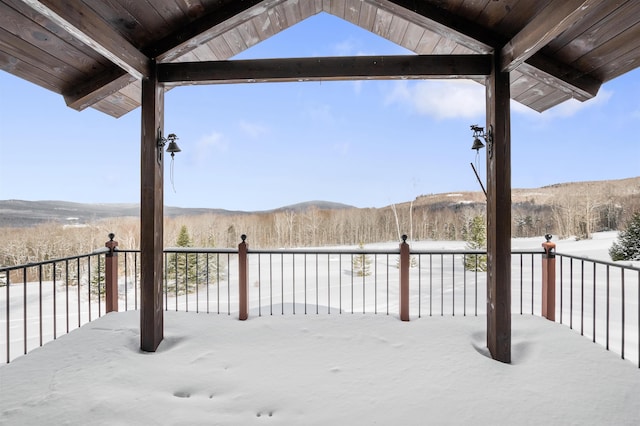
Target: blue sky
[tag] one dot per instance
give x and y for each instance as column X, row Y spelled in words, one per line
column 263, row 146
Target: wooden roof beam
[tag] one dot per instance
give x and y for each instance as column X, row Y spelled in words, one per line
column 85, row 25
column 581, row 87
column 462, row 31
column 208, row 27
column 556, row 18
column 102, row 86
column 481, row 40
column 169, row 48
column 325, row 68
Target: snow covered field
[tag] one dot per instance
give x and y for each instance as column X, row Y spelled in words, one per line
column 345, row 369
column 318, row 369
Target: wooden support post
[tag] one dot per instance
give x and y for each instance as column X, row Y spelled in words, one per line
column 405, row 259
column 243, row 290
column 498, row 213
column 549, row 279
column 111, row 275
column 151, row 213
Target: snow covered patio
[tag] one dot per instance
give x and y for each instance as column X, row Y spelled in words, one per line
column 318, row 369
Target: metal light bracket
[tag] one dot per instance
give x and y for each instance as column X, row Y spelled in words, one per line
column 478, row 132
column 173, row 146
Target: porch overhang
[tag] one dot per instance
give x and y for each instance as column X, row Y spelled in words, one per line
column 117, row 56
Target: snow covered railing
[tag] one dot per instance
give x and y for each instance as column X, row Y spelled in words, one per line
column 601, row 300
column 37, row 306
column 41, row 301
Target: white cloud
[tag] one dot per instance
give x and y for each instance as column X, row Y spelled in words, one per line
column 320, row 113
column 357, row 87
column 346, row 47
column 213, row 141
column 254, row 130
column 441, row 99
column 208, row 145
column 572, row 106
column 466, row 99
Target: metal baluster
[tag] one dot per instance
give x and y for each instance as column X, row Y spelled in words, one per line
column 582, row 299
column 607, row 305
column 24, row 308
column 623, row 310
column 40, row 301
column 78, row 290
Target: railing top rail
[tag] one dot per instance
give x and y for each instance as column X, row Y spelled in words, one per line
column 527, row 251
column 198, row 250
column 50, row 261
column 601, row 262
column 327, row 251
column 323, row 251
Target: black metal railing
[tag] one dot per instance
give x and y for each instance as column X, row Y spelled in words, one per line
column 601, row 301
column 43, row 300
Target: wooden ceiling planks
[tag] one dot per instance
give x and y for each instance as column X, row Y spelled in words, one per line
column 602, row 44
column 620, row 65
column 412, row 37
column 31, row 42
column 553, row 97
column 427, row 43
column 310, row 7
column 262, row 25
column 132, row 27
column 367, row 16
column 608, row 52
column 608, row 29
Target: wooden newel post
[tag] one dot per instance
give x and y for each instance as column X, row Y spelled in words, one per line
column 111, row 275
column 549, row 279
column 404, row 279
column 242, row 280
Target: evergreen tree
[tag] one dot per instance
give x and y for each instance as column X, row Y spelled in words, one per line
column 361, row 264
column 211, row 268
column 627, row 247
column 98, row 278
column 181, row 267
column 475, row 234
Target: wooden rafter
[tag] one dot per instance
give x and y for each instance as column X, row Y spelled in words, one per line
column 455, row 28
column 171, row 47
column 326, row 68
column 83, row 23
column 207, row 28
column 98, row 88
column 478, row 39
column 556, row 18
column 580, row 86
column 523, row 51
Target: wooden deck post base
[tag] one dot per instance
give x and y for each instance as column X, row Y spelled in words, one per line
column 404, row 279
column 549, row 279
column 243, row 286
column 111, row 276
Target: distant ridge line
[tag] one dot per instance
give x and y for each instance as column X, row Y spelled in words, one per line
column 23, row 213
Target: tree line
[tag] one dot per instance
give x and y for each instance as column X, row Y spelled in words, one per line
column 420, row 219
